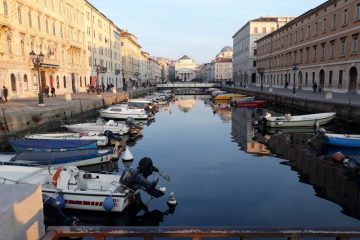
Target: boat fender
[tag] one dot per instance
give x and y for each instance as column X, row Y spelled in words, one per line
column 56, row 176
column 108, row 203
column 172, row 200
column 60, row 201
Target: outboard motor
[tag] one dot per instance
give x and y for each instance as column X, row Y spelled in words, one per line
column 131, row 123
column 111, row 135
column 137, row 178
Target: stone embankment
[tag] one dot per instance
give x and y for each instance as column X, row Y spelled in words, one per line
column 346, row 111
column 23, row 116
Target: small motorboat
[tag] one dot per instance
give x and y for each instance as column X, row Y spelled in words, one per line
column 228, row 97
column 76, row 189
column 101, row 141
column 123, row 112
column 54, row 145
column 250, row 104
column 98, row 127
column 82, row 157
column 297, row 121
column 340, row 140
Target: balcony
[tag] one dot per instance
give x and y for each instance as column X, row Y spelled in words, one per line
column 103, row 70
column 117, row 71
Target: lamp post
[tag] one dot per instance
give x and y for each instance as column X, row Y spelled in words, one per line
column 97, row 69
column 261, row 72
column 295, row 68
column 37, row 60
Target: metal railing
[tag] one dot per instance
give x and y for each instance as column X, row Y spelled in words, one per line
column 197, row 233
column 187, row 85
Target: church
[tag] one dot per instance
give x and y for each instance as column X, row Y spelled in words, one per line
column 185, row 69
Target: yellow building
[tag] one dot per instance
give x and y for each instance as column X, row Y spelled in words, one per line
column 103, row 48
column 131, row 57
column 54, row 28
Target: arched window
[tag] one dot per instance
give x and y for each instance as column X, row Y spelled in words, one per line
column 30, row 19
column 13, row 82
column 57, row 82
column 19, row 15
column 26, row 83
column 39, row 23
column 9, row 44
column 5, row 6
column 80, row 81
column 64, row 82
column 47, row 26
column 85, row 81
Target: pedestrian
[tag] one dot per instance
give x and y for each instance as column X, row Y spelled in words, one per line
column 46, row 91
column 314, row 87
column 103, row 87
column 53, row 92
column 286, row 84
column 88, row 89
column 5, row 93
column 319, row 89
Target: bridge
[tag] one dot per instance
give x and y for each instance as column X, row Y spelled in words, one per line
column 186, row 85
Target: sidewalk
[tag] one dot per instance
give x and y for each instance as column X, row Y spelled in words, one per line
column 343, row 98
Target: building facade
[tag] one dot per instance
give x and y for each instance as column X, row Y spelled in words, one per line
column 103, row 49
column 185, row 69
column 131, row 59
column 320, row 47
column 244, row 46
column 53, row 28
column 223, row 65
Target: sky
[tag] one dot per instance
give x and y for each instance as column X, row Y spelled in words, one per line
column 197, row 28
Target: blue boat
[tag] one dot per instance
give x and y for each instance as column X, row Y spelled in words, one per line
column 342, row 140
column 40, row 145
column 80, row 157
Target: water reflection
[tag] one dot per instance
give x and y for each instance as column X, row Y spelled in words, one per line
column 185, row 103
column 329, row 179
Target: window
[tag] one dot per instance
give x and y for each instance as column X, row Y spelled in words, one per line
column 26, row 83
column 341, row 73
column 324, row 25
column 19, row 15
column 264, row 29
column 301, row 34
column 9, row 45
column 333, row 47
column 54, row 29
column 322, row 51
column 22, row 45
column 30, row 20
column 316, row 28
column 306, row 78
column 308, row 32
column 64, row 79
column 314, row 55
column 357, row 13
column 313, row 77
column 5, row 6
column 334, row 21
column 47, row 25
column 13, row 82
column 355, row 43
column 80, row 81
column 345, row 16
column 39, row 23
column 342, row 46
column 330, row 77
column 255, row 31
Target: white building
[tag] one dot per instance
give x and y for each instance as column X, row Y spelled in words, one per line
column 185, row 69
column 222, row 65
column 244, row 46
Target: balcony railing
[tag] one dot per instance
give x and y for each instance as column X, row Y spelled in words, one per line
column 198, row 233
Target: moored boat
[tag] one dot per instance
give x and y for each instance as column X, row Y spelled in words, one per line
column 250, row 104
column 342, row 140
column 101, row 141
column 56, row 145
column 298, row 121
column 122, row 112
column 99, row 127
column 228, row 97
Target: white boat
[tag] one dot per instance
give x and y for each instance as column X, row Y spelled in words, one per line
column 101, row 141
column 75, row 189
column 123, row 112
column 311, row 120
column 99, row 127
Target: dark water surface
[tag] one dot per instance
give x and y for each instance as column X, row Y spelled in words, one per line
column 223, row 175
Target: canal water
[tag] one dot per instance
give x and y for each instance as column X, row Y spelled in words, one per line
column 225, row 173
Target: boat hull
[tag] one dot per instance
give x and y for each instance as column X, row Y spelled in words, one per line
column 342, row 140
column 101, row 141
column 250, row 104
column 282, row 122
column 96, row 129
column 118, row 116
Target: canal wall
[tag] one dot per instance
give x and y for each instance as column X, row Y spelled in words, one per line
column 21, row 212
column 344, row 112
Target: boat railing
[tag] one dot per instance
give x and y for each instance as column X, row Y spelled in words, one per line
column 198, row 233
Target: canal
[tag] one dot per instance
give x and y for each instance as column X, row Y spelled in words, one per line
column 225, row 173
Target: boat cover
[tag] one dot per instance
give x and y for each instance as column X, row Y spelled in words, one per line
column 54, row 158
column 22, row 145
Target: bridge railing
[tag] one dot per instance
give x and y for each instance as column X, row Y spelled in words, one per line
column 186, row 85
column 197, row 233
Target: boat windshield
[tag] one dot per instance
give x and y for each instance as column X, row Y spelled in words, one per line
column 137, row 104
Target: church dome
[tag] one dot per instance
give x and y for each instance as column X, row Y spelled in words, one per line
column 185, row 57
column 226, row 49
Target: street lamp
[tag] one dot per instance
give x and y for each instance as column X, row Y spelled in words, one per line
column 261, row 72
column 37, row 60
column 295, row 68
column 97, row 69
